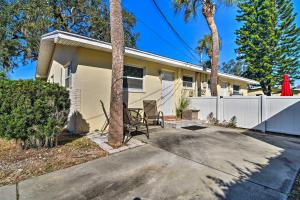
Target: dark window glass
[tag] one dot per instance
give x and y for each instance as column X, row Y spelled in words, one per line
column 187, row 81
column 133, row 78
column 133, row 72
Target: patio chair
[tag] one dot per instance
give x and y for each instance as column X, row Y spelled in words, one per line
column 151, row 112
column 133, row 121
column 106, row 123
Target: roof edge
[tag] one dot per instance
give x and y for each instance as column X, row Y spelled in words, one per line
column 61, row 35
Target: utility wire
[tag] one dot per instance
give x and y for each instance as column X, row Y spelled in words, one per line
column 163, row 39
column 190, row 49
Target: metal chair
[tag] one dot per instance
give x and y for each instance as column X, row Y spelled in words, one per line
column 151, row 112
column 106, row 123
column 133, row 121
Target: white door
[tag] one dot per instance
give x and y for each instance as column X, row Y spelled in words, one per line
column 168, row 92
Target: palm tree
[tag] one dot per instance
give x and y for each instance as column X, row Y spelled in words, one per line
column 205, row 47
column 208, row 8
column 115, row 137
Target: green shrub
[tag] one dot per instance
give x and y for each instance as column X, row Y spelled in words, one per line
column 32, row 112
column 183, row 105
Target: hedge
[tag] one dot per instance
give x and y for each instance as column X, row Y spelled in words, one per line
column 32, row 112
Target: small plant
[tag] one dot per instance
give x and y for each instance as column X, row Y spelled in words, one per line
column 232, row 122
column 211, row 119
column 183, row 105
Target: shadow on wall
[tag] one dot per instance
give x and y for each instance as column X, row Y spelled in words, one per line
column 287, row 121
column 144, row 97
column 79, row 124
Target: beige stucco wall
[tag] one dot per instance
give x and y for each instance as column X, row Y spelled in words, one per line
column 91, row 82
column 94, row 82
column 62, row 55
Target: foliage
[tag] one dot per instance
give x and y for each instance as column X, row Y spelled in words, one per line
column 205, row 64
column 208, row 9
column 257, row 39
column 32, row 111
column 3, row 76
column 24, row 21
column 268, row 41
column 183, row 105
column 233, row 67
column 205, row 46
column 211, row 119
column 288, row 46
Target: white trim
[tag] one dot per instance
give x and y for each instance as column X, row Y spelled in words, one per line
column 65, row 38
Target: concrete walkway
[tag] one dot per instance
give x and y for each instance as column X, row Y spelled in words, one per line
column 211, row 163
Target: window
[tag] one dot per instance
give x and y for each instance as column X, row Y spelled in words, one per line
column 133, row 78
column 68, row 80
column 187, row 81
column 236, row 89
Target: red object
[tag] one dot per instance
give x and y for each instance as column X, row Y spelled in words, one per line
column 286, row 86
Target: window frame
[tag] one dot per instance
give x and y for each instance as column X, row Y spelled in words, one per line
column 135, row 90
column 187, row 87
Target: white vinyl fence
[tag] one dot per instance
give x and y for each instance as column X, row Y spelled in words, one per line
column 273, row 114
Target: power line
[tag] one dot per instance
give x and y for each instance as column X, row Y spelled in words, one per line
column 190, row 49
column 163, row 39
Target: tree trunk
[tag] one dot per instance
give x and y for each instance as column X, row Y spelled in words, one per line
column 115, row 136
column 19, row 145
column 208, row 11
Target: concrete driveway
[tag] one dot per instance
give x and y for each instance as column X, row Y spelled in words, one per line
column 210, row 163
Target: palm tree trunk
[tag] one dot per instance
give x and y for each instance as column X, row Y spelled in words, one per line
column 115, row 137
column 208, row 11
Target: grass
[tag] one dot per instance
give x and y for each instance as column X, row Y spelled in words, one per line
column 71, row 150
column 295, row 193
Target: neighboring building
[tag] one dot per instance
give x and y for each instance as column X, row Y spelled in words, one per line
column 83, row 65
column 275, row 91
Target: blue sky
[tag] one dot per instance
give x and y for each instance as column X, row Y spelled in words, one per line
column 156, row 36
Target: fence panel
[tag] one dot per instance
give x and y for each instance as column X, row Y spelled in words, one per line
column 273, row 114
column 247, row 111
column 283, row 115
column 206, row 105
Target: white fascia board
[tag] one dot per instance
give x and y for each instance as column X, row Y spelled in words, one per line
column 82, row 41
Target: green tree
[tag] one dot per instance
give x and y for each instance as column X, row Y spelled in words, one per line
column 288, row 47
column 257, row 40
column 24, row 21
column 205, row 46
column 233, row 67
column 208, row 9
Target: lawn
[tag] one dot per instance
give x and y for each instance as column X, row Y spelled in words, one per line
column 295, row 193
column 71, row 150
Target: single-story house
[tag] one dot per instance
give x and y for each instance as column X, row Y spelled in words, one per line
column 83, row 65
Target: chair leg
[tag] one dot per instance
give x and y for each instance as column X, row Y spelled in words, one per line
column 162, row 123
column 104, row 126
column 148, row 136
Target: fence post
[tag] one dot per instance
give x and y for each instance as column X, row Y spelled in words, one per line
column 263, row 113
column 219, row 108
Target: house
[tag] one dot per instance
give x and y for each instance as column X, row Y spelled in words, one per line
column 276, row 91
column 83, row 65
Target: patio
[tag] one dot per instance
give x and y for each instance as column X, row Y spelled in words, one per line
column 208, row 163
